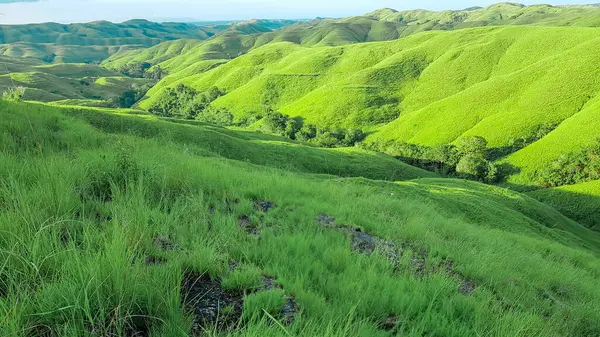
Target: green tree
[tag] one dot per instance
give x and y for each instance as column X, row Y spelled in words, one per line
column 472, row 146
column 307, row 132
column 275, row 122
column 472, row 167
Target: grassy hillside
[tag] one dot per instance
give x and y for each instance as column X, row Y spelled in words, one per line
column 114, row 229
column 153, row 55
column 428, row 88
column 500, row 14
column 579, row 202
column 82, row 84
column 57, row 53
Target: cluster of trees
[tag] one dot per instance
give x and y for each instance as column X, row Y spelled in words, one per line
column 185, row 102
column 573, row 168
column 296, row 129
column 142, row 70
column 131, row 96
column 469, row 159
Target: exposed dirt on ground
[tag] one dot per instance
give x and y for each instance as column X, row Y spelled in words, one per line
column 365, row 243
column 213, row 307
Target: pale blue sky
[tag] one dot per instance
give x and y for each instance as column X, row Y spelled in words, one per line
column 29, row 11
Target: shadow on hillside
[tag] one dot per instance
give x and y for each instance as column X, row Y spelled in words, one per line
column 247, row 135
column 583, row 208
column 448, row 171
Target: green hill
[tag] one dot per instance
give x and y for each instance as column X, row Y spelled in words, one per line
column 102, row 33
column 579, row 202
column 428, row 88
column 128, row 231
column 56, row 82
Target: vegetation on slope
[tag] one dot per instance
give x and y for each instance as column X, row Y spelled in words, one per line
column 111, row 234
column 579, row 202
column 428, row 89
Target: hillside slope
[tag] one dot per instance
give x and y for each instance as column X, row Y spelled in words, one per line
column 428, row 88
column 78, row 83
column 125, row 234
column 580, row 202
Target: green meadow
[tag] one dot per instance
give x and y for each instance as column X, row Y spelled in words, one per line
column 106, row 216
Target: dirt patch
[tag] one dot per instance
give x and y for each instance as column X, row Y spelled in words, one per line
column 467, row 287
column 246, row 223
column 365, row 243
column 326, row 220
column 233, row 265
column 213, row 307
column 263, row 205
column 155, row 260
column 290, row 307
column 164, row 242
column 390, row 323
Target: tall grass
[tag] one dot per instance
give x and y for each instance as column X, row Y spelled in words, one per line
column 81, row 209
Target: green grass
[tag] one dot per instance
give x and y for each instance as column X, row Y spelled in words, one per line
column 208, row 140
column 428, row 88
column 579, row 202
column 71, row 83
column 84, row 197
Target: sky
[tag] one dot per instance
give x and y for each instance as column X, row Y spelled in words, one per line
column 67, row 11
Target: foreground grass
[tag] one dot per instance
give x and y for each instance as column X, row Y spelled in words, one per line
column 81, row 210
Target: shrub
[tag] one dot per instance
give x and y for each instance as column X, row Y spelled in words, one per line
column 275, row 122
column 573, row 168
column 14, row 94
column 185, row 102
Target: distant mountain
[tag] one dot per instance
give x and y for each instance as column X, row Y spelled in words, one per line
column 103, row 33
column 499, row 14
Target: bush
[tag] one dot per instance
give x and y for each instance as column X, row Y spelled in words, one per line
column 185, row 102
column 472, row 146
column 135, row 69
column 14, row 94
column 468, row 160
column 573, row 168
column 472, row 167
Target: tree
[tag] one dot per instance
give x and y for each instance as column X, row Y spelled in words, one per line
column 213, row 93
column 156, row 74
column 353, row 136
column 473, row 146
column 275, row 122
column 307, row 132
column 127, row 99
column 292, row 126
column 472, row 167
column 135, row 69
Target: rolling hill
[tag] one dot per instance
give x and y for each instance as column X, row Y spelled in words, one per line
column 429, row 88
column 83, row 84
column 94, row 42
column 137, row 225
